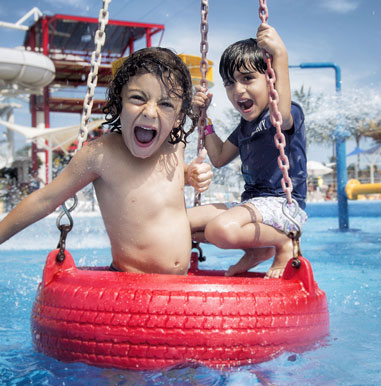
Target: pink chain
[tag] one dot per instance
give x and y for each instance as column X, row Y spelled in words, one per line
column 203, row 67
column 275, row 115
column 203, row 82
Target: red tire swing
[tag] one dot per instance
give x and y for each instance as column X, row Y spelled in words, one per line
column 155, row 321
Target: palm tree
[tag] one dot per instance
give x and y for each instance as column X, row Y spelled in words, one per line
column 357, row 113
column 373, row 130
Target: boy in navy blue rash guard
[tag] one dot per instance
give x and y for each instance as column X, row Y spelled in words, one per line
column 257, row 224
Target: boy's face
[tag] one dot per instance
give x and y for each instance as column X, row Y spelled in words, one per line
column 149, row 113
column 248, row 94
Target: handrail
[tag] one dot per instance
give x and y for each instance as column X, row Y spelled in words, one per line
column 355, row 187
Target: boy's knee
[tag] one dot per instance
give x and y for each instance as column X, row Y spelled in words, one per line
column 222, row 235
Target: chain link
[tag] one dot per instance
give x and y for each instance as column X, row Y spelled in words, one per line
column 92, row 79
column 280, row 143
column 203, row 82
column 275, row 115
column 263, row 11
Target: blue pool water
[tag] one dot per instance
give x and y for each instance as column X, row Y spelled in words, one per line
column 347, row 266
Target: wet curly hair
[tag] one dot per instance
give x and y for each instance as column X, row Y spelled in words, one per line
column 174, row 74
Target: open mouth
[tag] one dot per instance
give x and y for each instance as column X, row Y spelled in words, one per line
column 144, row 135
column 245, row 104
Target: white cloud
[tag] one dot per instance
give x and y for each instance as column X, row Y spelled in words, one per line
column 340, row 6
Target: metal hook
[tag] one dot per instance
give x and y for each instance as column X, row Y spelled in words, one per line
column 196, row 245
column 294, row 235
column 292, row 219
column 295, row 249
column 64, row 228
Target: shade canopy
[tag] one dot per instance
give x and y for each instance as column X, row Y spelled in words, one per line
column 316, row 169
column 60, row 137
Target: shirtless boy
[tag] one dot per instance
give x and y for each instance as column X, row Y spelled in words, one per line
column 137, row 170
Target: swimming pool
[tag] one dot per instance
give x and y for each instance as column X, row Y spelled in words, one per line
column 346, row 266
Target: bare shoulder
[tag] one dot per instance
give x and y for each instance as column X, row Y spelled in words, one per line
column 101, row 148
column 104, row 143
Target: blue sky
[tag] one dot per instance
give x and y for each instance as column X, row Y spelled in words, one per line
column 346, row 32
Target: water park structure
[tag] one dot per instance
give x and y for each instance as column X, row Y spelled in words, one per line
column 56, row 55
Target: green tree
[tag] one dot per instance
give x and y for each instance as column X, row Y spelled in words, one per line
column 355, row 114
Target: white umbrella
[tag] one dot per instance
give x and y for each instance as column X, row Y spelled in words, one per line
column 316, row 169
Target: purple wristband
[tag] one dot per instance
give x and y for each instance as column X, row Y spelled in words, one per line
column 208, row 130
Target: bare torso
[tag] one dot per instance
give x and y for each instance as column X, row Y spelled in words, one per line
column 143, row 208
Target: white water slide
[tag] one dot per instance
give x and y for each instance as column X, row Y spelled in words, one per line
column 21, row 72
column 24, row 70
column 21, row 69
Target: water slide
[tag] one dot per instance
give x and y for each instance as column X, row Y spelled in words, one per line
column 26, row 72
column 22, row 72
column 24, row 69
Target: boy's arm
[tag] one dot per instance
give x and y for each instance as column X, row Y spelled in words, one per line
column 268, row 39
column 45, row 200
column 220, row 153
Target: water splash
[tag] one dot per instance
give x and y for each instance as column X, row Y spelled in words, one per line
column 353, row 112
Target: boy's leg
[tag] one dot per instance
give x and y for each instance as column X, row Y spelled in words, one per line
column 241, row 228
column 199, row 216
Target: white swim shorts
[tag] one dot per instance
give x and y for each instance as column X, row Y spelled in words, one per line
column 272, row 212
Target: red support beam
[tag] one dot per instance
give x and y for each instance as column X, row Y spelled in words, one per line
column 33, row 111
column 148, row 37
column 121, row 23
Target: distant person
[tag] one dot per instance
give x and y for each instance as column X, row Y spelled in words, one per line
column 329, row 193
column 257, row 224
column 320, row 183
column 34, row 182
column 311, row 191
column 138, row 169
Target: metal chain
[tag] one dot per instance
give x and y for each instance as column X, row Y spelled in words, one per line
column 280, row 143
column 92, row 80
column 203, row 82
column 202, row 120
column 275, row 115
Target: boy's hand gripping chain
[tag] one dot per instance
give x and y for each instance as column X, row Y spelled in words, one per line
column 280, row 142
column 92, row 80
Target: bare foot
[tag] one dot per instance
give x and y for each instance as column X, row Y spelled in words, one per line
column 282, row 256
column 250, row 259
column 275, row 272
